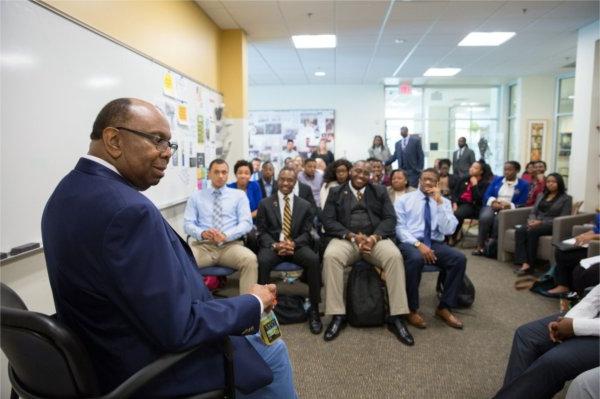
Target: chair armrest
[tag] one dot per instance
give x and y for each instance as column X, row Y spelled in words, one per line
column 138, row 380
column 506, row 220
column 580, row 229
column 562, row 226
column 593, row 249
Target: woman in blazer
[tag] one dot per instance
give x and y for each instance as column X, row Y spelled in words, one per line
column 243, row 170
column 504, row 192
column 554, row 202
column 468, row 194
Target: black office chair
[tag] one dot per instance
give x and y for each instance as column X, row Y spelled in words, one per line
column 46, row 360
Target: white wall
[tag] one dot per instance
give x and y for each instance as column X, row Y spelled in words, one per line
column 584, row 152
column 537, row 102
column 359, row 110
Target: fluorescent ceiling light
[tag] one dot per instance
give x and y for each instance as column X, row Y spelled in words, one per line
column 441, row 72
column 314, row 41
column 486, row 38
column 320, row 73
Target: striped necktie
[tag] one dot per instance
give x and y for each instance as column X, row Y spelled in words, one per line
column 359, row 196
column 217, row 211
column 287, row 219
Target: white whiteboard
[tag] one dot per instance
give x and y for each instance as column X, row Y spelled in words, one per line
column 56, row 76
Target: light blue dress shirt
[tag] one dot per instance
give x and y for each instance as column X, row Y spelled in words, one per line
column 236, row 218
column 411, row 219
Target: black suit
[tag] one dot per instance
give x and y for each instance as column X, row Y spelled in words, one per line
column 411, row 158
column 305, row 192
column 263, row 191
column 268, row 221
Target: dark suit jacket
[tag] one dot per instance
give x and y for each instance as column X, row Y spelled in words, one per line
column 269, row 224
column 261, row 183
column 413, row 156
column 561, row 206
column 337, row 211
column 478, row 191
column 461, row 165
column 128, row 286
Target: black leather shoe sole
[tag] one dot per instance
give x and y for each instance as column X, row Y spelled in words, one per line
column 403, row 335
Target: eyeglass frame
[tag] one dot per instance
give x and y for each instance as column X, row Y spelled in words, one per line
column 156, row 140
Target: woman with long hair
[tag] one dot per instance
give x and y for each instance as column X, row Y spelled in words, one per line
column 336, row 173
column 379, row 150
column 399, row 185
column 554, row 202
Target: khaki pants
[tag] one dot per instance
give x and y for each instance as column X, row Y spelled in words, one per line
column 232, row 254
column 341, row 254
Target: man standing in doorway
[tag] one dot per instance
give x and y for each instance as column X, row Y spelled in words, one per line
column 409, row 154
column 462, row 159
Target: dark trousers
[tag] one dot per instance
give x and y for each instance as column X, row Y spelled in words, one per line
column 526, row 242
column 539, row 368
column 448, row 258
column 464, row 211
column 570, row 274
column 413, row 177
column 304, row 257
column 488, row 225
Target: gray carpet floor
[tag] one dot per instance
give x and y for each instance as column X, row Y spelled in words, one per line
column 444, row 363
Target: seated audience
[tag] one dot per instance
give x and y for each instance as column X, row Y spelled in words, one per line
column 378, row 175
column 552, row 203
column 399, row 185
column 504, row 192
column 218, row 217
column 379, row 150
column 570, row 276
column 312, row 177
column 336, row 173
column 267, row 182
column 255, row 169
column 468, row 195
column 298, row 164
column 359, row 219
column 537, row 184
column 424, row 218
column 551, row 351
column 529, row 171
column 242, row 169
column 323, row 153
column 288, row 152
column 284, row 223
column 126, row 284
column 447, row 181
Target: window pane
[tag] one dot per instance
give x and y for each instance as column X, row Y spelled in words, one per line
column 405, row 106
column 513, row 139
column 563, row 145
column 512, row 100
column 566, row 95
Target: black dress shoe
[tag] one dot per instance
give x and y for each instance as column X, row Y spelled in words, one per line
column 337, row 324
column 314, row 321
column 398, row 327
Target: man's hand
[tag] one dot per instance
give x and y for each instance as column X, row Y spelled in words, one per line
column 435, row 193
column 209, row 235
column 285, row 248
column 367, row 245
column 359, row 239
column 428, row 254
column 454, row 207
column 267, row 294
column 532, row 224
column 497, row 206
column 219, row 237
column 561, row 329
column 585, row 238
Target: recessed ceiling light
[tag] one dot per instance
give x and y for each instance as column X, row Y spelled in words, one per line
column 441, row 72
column 486, row 38
column 314, row 41
column 320, row 73
column 399, row 41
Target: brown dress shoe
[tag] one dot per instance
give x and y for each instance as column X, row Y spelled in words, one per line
column 416, row 320
column 449, row 318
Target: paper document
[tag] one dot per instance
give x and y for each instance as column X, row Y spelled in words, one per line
column 587, row 262
column 571, row 241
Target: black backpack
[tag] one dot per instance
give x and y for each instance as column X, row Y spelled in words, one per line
column 290, row 309
column 466, row 291
column 366, row 297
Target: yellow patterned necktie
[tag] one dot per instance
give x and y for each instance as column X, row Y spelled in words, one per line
column 359, row 196
column 287, row 219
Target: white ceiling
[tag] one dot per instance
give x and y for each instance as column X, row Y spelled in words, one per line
column 367, row 31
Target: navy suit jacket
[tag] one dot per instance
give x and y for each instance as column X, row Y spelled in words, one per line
column 414, row 158
column 128, row 286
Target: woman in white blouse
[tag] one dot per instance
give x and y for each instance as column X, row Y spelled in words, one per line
column 399, row 185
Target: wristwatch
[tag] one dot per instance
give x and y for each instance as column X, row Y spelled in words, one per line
column 417, row 244
column 350, row 237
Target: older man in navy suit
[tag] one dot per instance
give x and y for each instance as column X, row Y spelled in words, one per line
column 128, row 285
column 410, row 157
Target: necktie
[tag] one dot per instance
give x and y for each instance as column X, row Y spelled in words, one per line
column 359, row 196
column 217, row 211
column 427, row 230
column 460, row 152
column 404, row 142
column 287, row 219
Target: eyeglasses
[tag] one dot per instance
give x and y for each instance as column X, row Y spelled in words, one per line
column 160, row 143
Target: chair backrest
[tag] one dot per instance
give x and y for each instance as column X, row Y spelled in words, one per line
column 45, row 358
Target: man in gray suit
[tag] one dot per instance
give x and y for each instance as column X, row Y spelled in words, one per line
column 462, row 159
column 409, row 154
